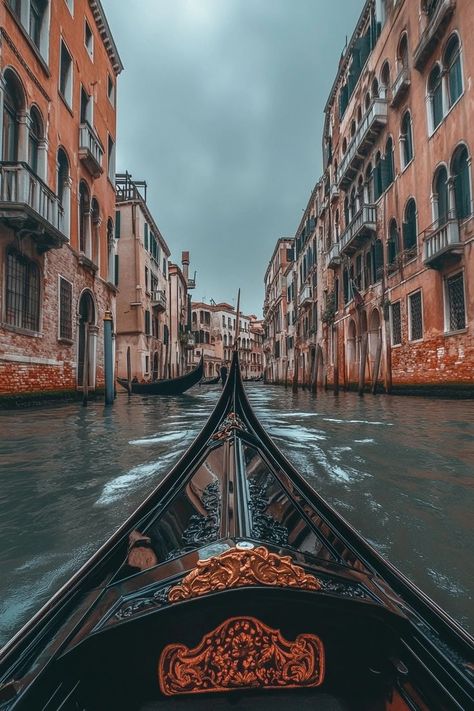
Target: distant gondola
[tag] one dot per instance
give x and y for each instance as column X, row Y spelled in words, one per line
column 235, row 585
column 210, row 381
column 173, row 386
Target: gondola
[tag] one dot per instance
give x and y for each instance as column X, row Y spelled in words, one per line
column 173, row 386
column 236, row 586
column 210, row 381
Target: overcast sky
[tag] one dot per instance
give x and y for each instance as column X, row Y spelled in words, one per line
column 220, row 110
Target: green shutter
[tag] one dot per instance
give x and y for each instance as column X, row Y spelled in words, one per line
column 146, row 237
column 116, row 270
column 117, row 224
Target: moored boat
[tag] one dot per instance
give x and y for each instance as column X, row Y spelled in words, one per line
column 210, row 381
column 235, row 585
column 172, row 386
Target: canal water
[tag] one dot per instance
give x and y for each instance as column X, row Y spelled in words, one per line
column 400, row 469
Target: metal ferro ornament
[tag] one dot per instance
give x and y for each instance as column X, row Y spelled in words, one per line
column 239, row 568
column 242, row 653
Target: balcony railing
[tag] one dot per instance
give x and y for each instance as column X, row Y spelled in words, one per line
column 27, row 203
column 305, row 295
column 334, row 256
column 191, row 283
column 439, row 15
column 400, row 86
column 367, row 131
column 441, row 243
column 158, row 299
column 363, row 224
column 91, row 152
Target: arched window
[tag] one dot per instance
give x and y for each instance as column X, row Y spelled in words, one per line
column 369, row 272
column 435, row 96
column 336, row 226
column 406, row 139
column 84, row 219
column 359, row 114
column 393, row 247
column 385, row 77
column 367, row 101
column 409, row 226
column 360, row 193
column 403, row 52
column 22, row 294
column 452, row 64
column 462, row 183
column 347, row 218
column 63, row 189
column 111, row 252
column 96, row 220
column 345, row 285
column 440, row 195
column 13, row 104
column 369, row 181
column 352, row 209
column 344, row 145
column 353, row 128
column 378, row 186
column 35, row 134
column 378, row 259
column 375, row 88
column 388, row 166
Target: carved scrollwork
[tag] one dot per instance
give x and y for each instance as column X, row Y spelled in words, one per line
column 202, row 529
column 232, row 422
column 264, row 527
column 241, row 653
column 239, row 568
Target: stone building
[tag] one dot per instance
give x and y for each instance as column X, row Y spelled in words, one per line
column 275, row 312
column 181, row 337
column 393, row 225
column 214, row 329
column 142, row 322
column 59, row 67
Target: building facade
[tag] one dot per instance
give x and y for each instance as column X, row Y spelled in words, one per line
column 393, row 213
column 275, row 312
column 59, row 67
column 181, row 337
column 142, row 323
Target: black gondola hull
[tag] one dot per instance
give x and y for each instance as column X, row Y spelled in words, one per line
column 173, row 386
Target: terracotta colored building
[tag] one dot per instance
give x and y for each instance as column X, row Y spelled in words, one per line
column 181, row 337
column 59, row 67
column 391, row 241
column 142, row 322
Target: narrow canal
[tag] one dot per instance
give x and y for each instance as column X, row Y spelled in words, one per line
column 399, row 469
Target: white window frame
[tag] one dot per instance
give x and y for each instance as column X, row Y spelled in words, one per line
column 409, row 297
column 447, row 329
column 89, row 50
column 61, row 338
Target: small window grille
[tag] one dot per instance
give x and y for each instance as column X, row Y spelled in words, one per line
column 22, row 292
column 396, row 324
column 65, row 309
column 416, row 317
column 456, row 305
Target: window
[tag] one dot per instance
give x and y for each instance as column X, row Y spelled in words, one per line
column 65, row 309
column 117, row 224
column 396, row 323
column 86, row 107
column 388, row 170
column 147, row 323
column 35, row 134
column 455, row 304
column 13, row 103
column 37, row 15
column 452, row 63
column 84, row 219
column 88, row 39
column 409, row 226
column 416, row 316
column 15, row 6
column 435, row 95
column 70, row 4
column 146, row 278
column 440, row 195
column 22, row 292
column 393, row 246
column 462, row 184
column 111, row 159
column 406, row 139
column 65, row 75
column 145, row 236
column 147, row 362
column 378, row 259
column 111, row 89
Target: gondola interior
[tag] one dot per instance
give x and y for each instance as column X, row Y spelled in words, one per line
column 235, row 585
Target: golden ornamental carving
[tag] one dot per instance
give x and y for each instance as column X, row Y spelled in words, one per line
column 241, row 653
column 238, row 568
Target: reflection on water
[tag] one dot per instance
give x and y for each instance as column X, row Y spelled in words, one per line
column 399, row 469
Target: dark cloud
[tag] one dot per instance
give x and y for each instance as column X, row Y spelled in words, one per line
column 221, row 111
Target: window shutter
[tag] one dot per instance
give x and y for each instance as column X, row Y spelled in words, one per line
column 146, row 236
column 117, row 224
column 116, row 270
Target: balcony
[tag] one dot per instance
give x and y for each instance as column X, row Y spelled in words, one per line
column 334, row 256
column 27, row 204
column 305, row 295
column 439, row 15
column 364, row 138
column 400, row 86
column 442, row 245
column 158, row 299
column 91, row 152
column 362, row 226
column 191, row 283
